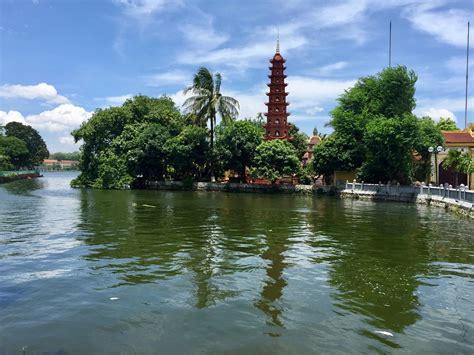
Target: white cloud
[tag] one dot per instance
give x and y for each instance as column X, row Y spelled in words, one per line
column 114, row 100
column 306, row 92
column 11, row 116
column 174, row 77
column 63, row 118
column 241, row 57
column 330, row 68
column 137, row 8
column 68, row 140
column 202, row 35
column 40, row 91
column 437, row 113
column 447, row 26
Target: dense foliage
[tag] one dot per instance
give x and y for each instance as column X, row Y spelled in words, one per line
column 21, row 146
column 144, row 139
column 236, row 145
column 274, row 159
column 446, row 124
column 65, row 156
column 375, row 132
column 460, row 162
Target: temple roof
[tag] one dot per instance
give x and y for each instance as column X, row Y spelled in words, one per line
column 457, row 137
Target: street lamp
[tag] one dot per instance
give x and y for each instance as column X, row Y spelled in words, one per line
column 436, row 150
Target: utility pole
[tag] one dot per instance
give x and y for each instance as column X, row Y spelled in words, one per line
column 467, row 77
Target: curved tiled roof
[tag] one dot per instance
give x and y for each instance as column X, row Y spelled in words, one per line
column 457, row 137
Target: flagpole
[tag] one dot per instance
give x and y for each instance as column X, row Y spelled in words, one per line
column 467, row 77
column 390, row 46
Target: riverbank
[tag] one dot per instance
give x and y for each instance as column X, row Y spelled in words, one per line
column 237, row 187
column 19, row 176
column 408, row 194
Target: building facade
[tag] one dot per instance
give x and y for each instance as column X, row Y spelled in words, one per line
column 462, row 140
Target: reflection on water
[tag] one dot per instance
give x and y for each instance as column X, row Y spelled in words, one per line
column 127, row 271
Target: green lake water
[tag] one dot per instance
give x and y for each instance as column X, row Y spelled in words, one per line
column 100, row 272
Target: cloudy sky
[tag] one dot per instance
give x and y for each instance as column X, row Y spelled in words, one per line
column 62, row 59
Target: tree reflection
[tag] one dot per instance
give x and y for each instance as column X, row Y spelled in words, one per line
column 373, row 266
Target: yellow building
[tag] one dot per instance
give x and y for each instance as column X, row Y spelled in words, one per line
column 460, row 140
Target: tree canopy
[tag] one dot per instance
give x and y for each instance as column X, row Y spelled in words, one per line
column 274, row 159
column 237, row 143
column 375, row 132
column 37, row 149
column 446, row 124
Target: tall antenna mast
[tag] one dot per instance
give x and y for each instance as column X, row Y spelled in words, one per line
column 467, row 77
column 390, row 46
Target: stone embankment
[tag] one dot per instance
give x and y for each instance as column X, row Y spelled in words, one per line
column 15, row 177
column 454, row 200
column 235, row 187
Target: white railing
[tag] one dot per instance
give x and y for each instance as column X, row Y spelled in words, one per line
column 461, row 193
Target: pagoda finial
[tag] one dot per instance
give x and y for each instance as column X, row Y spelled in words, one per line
column 278, row 41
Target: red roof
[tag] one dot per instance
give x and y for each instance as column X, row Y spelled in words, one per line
column 457, row 137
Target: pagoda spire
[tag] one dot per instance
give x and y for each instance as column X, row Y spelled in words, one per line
column 278, row 42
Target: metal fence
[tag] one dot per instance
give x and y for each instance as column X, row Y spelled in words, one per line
column 460, row 193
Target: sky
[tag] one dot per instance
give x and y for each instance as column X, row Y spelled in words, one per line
column 62, row 59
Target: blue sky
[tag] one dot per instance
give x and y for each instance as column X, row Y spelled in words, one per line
column 62, row 59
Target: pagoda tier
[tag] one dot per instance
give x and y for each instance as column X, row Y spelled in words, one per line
column 277, row 126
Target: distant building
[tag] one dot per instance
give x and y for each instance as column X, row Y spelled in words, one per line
column 277, row 126
column 55, row 164
column 308, row 156
column 460, row 140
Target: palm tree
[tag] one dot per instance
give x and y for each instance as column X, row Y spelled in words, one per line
column 208, row 102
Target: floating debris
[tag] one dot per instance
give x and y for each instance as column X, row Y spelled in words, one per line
column 383, row 332
column 149, row 206
column 113, row 298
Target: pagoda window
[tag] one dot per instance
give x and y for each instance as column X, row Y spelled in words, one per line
column 277, row 121
column 277, row 90
column 277, row 99
column 277, row 133
column 277, row 110
column 277, row 80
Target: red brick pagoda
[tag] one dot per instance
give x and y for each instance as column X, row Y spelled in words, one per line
column 277, row 126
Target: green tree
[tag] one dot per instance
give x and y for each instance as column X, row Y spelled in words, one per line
column 237, row 143
column 14, row 153
column 390, row 143
column 112, row 172
column 106, row 125
column 37, row 149
column 188, row 152
column 299, row 141
column 66, row 156
column 275, row 159
column 364, row 120
column 446, row 124
column 460, row 162
column 207, row 102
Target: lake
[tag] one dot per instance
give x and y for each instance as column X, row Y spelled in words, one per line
column 96, row 272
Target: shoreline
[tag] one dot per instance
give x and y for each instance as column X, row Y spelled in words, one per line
column 16, row 177
column 449, row 204
column 459, row 207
